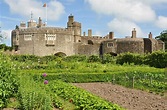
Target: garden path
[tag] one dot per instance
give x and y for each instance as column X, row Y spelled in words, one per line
column 130, row 99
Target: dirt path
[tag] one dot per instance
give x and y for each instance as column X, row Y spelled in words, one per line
column 130, row 99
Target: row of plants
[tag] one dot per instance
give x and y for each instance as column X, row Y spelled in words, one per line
column 34, row 95
column 151, row 81
column 156, row 59
column 81, row 98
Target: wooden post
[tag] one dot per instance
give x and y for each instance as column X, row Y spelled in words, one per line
column 113, row 79
column 133, row 81
column 150, row 80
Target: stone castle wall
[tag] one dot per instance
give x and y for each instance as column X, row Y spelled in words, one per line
column 41, row 40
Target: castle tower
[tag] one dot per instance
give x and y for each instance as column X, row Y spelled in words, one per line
column 111, row 35
column 75, row 26
column 150, row 35
column 134, row 33
column 70, row 21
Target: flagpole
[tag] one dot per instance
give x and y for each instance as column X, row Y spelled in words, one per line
column 46, row 13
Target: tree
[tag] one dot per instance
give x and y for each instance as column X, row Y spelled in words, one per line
column 163, row 37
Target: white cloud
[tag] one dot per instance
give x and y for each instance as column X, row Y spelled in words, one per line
column 153, row 1
column 126, row 14
column 124, row 27
column 24, row 7
column 130, row 9
column 162, row 22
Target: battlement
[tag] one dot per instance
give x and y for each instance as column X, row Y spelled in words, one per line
column 44, row 30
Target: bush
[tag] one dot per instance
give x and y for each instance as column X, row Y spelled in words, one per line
column 157, row 59
column 93, row 58
column 137, row 59
column 3, row 46
column 25, row 58
column 107, row 58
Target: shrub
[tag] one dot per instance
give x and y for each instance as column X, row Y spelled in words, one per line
column 93, row 58
column 107, row 58
column 24, row 58
column 157, row 59
column 137, row 59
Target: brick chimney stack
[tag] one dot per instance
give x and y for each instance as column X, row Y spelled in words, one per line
column 150, row 36
column 134, row 33
column 89, row 33
column 111, row 35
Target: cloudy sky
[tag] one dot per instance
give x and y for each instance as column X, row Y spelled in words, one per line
column 102, row 16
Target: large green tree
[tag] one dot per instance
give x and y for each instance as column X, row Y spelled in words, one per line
column 163, row 37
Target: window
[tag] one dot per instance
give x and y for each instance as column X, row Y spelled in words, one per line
column 28, row 37
column 110, row 44
column 50, row 39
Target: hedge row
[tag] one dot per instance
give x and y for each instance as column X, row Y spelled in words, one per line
column 156, row 59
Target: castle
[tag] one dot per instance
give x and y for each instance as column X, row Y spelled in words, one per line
column 38, row 39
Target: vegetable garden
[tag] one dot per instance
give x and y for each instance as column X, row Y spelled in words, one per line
column 44, row 83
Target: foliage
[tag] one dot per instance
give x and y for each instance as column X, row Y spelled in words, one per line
column 137, row 59
column 8, row 82
column 94, row 58
column 163, row 37
column 33, row 95
column 75, row 58
column 157, row 59
column 24, row 58
column 107, row 58
column 3, row 46
column 82, row 99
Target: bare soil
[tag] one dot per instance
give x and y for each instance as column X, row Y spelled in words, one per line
column 127, row 98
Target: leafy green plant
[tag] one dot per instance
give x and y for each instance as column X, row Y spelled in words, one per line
column 34, row 95
column 82, row 99
column 8, row 82
column 157, row 59
column 93, row 58
column 129, row 58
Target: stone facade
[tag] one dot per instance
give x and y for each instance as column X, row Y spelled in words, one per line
column 38, row 39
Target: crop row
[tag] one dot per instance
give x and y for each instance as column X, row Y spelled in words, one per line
column 155, row 81
column 81, row 98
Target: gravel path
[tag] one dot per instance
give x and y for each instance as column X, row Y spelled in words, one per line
column 130, row 99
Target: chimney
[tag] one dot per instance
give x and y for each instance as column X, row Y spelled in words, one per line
column 134, row 33
column 39, row 22
column 89, row 33
column 150, row 36
column 111, row 35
